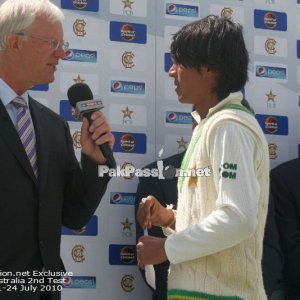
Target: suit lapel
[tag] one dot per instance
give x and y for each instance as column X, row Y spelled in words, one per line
column 42, row 125
column 10, row 136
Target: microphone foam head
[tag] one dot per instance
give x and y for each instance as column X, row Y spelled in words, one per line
column 79, row 92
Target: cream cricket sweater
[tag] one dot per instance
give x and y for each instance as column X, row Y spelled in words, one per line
column 216, row 250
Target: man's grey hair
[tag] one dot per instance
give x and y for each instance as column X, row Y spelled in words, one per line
column 18, row 15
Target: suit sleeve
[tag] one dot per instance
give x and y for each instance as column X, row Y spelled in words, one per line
column 83, row 189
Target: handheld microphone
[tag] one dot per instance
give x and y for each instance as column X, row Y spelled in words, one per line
column 82, row 100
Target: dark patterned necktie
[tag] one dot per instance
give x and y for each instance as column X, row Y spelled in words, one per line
column 25, row 131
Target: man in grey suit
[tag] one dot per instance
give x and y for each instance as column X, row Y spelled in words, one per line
column 42, row 186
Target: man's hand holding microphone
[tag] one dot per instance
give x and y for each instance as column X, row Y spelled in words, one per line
column 96, row 137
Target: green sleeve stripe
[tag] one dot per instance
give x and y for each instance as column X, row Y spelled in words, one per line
column 188, row 295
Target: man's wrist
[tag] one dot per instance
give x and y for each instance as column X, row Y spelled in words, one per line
column 171, row 217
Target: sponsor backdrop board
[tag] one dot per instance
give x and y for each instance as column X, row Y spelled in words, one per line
column 120, row 48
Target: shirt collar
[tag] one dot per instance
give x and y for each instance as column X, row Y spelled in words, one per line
column 236, row 97
column 7, row 94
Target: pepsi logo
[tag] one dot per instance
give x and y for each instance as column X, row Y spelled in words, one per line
column 172, row 117
column 116, row 197
column 261, row 70
column 69, row 54
column 172, row 9
column 67, row 281
column 117, row 86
